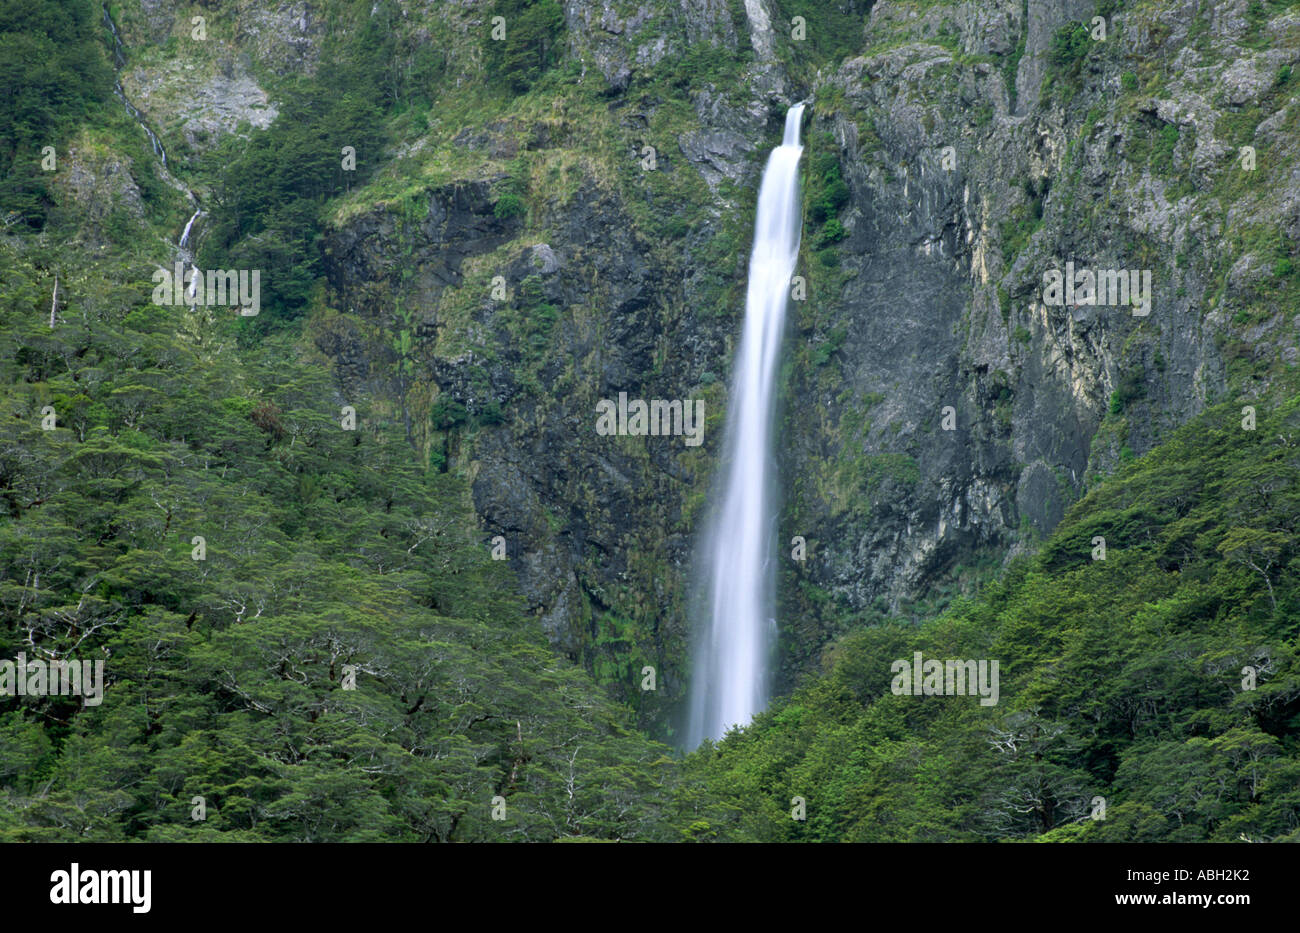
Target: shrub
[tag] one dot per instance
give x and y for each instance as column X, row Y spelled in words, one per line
column 447, row 413
column 1069, row 47
column 531, row 44
column 508, row 205
column 491, row 413
column 833, row 232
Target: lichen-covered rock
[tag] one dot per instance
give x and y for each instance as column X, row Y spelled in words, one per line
column 95, row 183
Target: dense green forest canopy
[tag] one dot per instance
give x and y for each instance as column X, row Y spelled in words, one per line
column 52, row 75
column 183, row 497
column 1163, row 679
column 324, row 549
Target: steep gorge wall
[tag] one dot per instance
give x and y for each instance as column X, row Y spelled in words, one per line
column 940, row 282
column 1124, row 156
column 1122, row 153
column 614, row 284
column 936, row 301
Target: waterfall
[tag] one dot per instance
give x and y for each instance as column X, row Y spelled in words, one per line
column 187, row 255
column 184, row 251
column 185, row 235
column 733, row 652
column 119, row 60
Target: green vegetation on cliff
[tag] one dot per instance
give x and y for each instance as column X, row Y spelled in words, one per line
column 52, row 76
column 601, row 161
column 1164, row 678
column 323, row 549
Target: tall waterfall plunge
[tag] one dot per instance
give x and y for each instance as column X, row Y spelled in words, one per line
column 733, row 651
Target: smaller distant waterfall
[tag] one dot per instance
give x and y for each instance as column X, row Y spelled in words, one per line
column 185, row 245
column 119, row 59
column 185, row 235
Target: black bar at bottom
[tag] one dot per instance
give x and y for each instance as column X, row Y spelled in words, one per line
column 345, row 884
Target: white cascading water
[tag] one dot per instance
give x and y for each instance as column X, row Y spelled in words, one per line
column 732, row 656
column 186, row 255
column 119, row 59
column 184, row 251
column 185, row 235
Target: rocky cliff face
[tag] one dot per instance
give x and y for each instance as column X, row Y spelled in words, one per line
column 595, row 301
column 192, row 70
column 981, row 146
column 518, row 262
column 944, row 303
